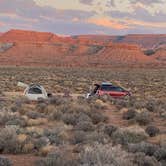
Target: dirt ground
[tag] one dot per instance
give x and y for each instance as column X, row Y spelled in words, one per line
column 22, row 160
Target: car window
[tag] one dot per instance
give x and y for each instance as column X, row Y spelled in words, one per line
column 117, row 89
column 106, row 87
column 35, row 91
column 111, row 88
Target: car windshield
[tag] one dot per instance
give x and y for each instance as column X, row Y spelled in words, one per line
column 111, row 88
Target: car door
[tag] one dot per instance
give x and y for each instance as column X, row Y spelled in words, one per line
column 117, row 92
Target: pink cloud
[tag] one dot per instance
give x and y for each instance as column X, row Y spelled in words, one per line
column 108, row 23
column 9, row 14
column 145, row 24
column 2, row 24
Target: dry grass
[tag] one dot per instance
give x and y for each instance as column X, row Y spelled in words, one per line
column 40, row 128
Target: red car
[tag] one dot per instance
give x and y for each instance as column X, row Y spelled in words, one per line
column 109, row 89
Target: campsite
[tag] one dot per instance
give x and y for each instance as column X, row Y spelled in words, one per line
column 82, row 82
column 70, row 130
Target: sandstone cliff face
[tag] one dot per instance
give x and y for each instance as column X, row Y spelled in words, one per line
column 146, row 41
column 46, row 49
column 161, row 55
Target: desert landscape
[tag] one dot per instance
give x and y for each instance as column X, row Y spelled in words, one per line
column 52, row 55
column 77, row 131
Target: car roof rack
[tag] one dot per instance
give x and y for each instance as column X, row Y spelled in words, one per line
column 106, row 83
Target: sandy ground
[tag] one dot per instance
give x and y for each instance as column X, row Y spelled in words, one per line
column 22, row 160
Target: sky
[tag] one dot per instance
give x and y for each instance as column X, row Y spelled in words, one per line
column 74, row 17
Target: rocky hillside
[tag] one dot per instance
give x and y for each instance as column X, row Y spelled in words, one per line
column 145, row 41
column 29, row 48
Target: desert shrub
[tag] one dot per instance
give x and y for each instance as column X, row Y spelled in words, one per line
column 35, row 132
column 55, row 139
column 99, row 154
column 14, row 108
column 54, row 135
column 147, row 148
column 109, row 129
column 141, row 159
column 70, row 119
column 41, row 142
column 152, row 131
column 24, row 109
column 45, row 150
column 41, row 107
column 98, row 105
column 10, row 118
column 121, row 103
column 139, row 104
column 34, row 114
column 82, row 117
column 55, row 115
column 160, row 154
column 17, row 121
column 151, row 105
column 57, row 100
column 126, row 136
column 36, row 122
column 4, row 117
column 57, row 158
column 79, row 137
column 97, row 117
column 78, row 108
column 8, row 140
column 85, row 126
column 99, row 137
column 143, row 118
column 163, row 114
column 5, row 161
column 130, row 114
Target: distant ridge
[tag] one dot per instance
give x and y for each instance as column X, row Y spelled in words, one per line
column 31, row 48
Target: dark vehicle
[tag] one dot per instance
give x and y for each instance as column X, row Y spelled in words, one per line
column 108, row 89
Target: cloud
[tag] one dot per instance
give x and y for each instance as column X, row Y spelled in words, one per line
column 108, row 23
column 87, row 2
column 111, row 3
column 84, row 16
column 140, row 14
column 146, row 24
column 146, row 2
column 2, row 24
column 17, row 12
